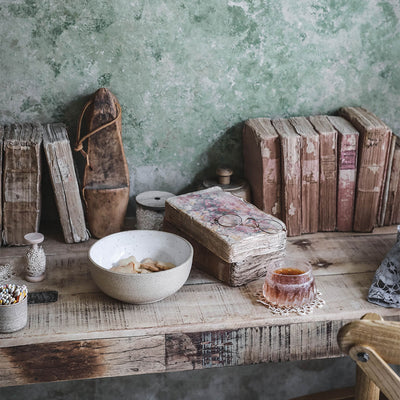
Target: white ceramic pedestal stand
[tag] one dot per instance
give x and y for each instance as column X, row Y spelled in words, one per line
column 35, row 258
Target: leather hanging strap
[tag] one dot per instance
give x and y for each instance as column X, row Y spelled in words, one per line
column 79, row 140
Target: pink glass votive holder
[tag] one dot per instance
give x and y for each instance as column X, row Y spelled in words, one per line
column 289, row 283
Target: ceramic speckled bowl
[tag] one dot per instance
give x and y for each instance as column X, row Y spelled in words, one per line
column 140, row 288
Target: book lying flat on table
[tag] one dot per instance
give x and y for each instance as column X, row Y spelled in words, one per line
column 374, row 145
column 225, row 224
column 65, row 185
column 262, row 164
column 22, row 179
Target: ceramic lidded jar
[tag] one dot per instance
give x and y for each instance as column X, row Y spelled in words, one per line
column 150, row 209
column 228, row 183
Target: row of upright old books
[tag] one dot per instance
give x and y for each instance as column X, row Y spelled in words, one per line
column 21, row 179
column 324, row 173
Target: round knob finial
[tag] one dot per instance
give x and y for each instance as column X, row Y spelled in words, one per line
column 224, row 175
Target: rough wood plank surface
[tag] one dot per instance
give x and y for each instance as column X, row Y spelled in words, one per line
column 205, row 324
column 78, row 359
column 65, row 185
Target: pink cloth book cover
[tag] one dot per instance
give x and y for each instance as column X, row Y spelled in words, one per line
column 227, row 225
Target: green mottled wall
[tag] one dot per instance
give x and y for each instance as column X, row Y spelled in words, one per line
column 188, row 73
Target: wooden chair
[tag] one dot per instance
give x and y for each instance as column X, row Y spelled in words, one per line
column 373, row 344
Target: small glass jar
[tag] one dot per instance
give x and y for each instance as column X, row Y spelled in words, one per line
column 289, row 283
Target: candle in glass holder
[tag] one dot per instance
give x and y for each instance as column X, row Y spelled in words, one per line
column 289, row 283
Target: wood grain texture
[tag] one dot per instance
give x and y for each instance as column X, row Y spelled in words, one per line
column 64, row 181
column 205, row 324
column 106, row 176
column 262, row 164
column 291, row 176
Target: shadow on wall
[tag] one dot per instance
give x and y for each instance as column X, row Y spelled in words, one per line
column 225, row 151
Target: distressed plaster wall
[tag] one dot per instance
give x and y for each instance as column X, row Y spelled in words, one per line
column 188, row 73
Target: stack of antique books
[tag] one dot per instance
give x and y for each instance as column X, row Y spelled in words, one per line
column 324, row 173
column 21, row 178
column 233, row 240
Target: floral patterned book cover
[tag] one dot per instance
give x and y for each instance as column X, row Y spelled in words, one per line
column 227, row 225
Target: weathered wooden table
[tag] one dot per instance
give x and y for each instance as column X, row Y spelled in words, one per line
column 85, row 334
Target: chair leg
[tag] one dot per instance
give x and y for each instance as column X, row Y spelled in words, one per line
column 365, row 389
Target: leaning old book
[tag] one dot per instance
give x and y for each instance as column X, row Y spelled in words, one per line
column 1, row 178
column 22, row 178
column 393, row 199
column 383, row 195
column 262, row 164
column 347, row 172
column 291, row 175
column 328, row 172
column 309, row 159
column 226, row 224
column 58, row 153
column 373, row 148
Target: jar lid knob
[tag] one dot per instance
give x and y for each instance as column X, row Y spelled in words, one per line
column 224, row 175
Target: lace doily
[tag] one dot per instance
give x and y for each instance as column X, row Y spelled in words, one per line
column 6, row 272
column 305, row 309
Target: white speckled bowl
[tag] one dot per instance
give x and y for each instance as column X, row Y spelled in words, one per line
column 140, row 288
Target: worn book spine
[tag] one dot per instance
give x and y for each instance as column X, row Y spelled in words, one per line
column 21, row 182
column 393, row 203
column 373, row 147
column 291, row 176
column 384, row 196
column 262, row 164
column 58, row 153
column 1, row 180
column 309, row 159
column 328, row 172
column 347, row 172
